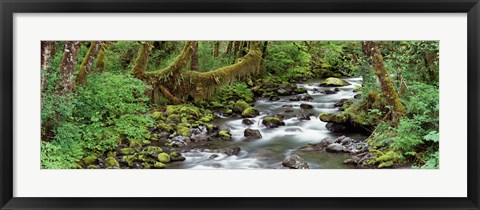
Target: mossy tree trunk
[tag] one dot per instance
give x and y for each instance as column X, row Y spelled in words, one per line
column 193, row 84
column 388, row 90
column 87, row 63
column 67, row 67
column 216, row 49
column 100, row 64
column 194, row 59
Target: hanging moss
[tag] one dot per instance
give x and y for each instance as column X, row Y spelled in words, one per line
column 194, row 84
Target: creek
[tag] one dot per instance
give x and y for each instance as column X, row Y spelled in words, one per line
column 278, row 143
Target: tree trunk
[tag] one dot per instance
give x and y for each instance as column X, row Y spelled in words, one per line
column 67, row 67
column 216, row 49
column 100, row 65
column 194, row 59
column 229, row 48
column 87, row 63
column 264, row 50
column 47, row 52
column 388, row 90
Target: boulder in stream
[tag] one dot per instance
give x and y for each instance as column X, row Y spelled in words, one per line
column 306, row 106
column 250, row 112
column 340, row 102
column 274, row 98
column 272, row 122
column 335, row 127
column 228, row 150
column 303, row 116
column 303, row 97
column 252, row 134
column 327, row 141
column 331, row 91
column 334, row 82
column 247, row 122
column 335, row 147
column 295, row 162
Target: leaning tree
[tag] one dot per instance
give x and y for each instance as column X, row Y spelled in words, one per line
column 178, row 85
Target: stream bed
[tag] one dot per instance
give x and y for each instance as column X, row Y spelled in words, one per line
column 278, row 143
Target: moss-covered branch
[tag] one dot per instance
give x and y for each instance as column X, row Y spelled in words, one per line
column 185, row 84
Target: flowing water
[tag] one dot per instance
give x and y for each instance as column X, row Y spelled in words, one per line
column 278, row 143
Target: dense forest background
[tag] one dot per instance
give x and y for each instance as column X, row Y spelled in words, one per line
column 105, row 102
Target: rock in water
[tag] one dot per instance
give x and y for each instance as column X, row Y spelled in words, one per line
column 247, row 122
column 327, row 141
column 331, row 91
column 334, row 82
column 335, row 127
column 303, row 116
column 274, row 98
column 334, row 148
column 306, row 106
column 272, row 122
column 295, row 162
column 340, row 102
column 250, row 112
column 252, row 133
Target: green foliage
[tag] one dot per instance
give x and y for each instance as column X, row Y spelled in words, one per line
column 110, row 107
column 285, row 60
column 120, row 56
column 65, row 150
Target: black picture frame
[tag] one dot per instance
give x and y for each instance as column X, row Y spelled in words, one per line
column 9, row 7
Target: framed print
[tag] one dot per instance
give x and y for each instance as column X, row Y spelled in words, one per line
column 239, row 105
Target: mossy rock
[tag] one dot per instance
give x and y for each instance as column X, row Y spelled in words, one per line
column 216, row 105
column 176, row 156
column 127, row 151
column 111, row 162
column 250, row 112
column 158, row 116
column 249, row 99
column 135, row 144
column 146, row 165
column 76, row 166
column 240, row 106
column 334, row 82
column 224, row 134
column 92, row 167
column 152, row 150
column 272, row 122
column 165, row 127
column 174, row 118
column 112, row 154
column 90, row 160
column 163, row 157
column 159, row 165
column 146, row 142
column 300, row 90
column 335, row 118
column 283, row 92
column 228, row 112
column 183, row 131
column 207, row 118
column 183, row 109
